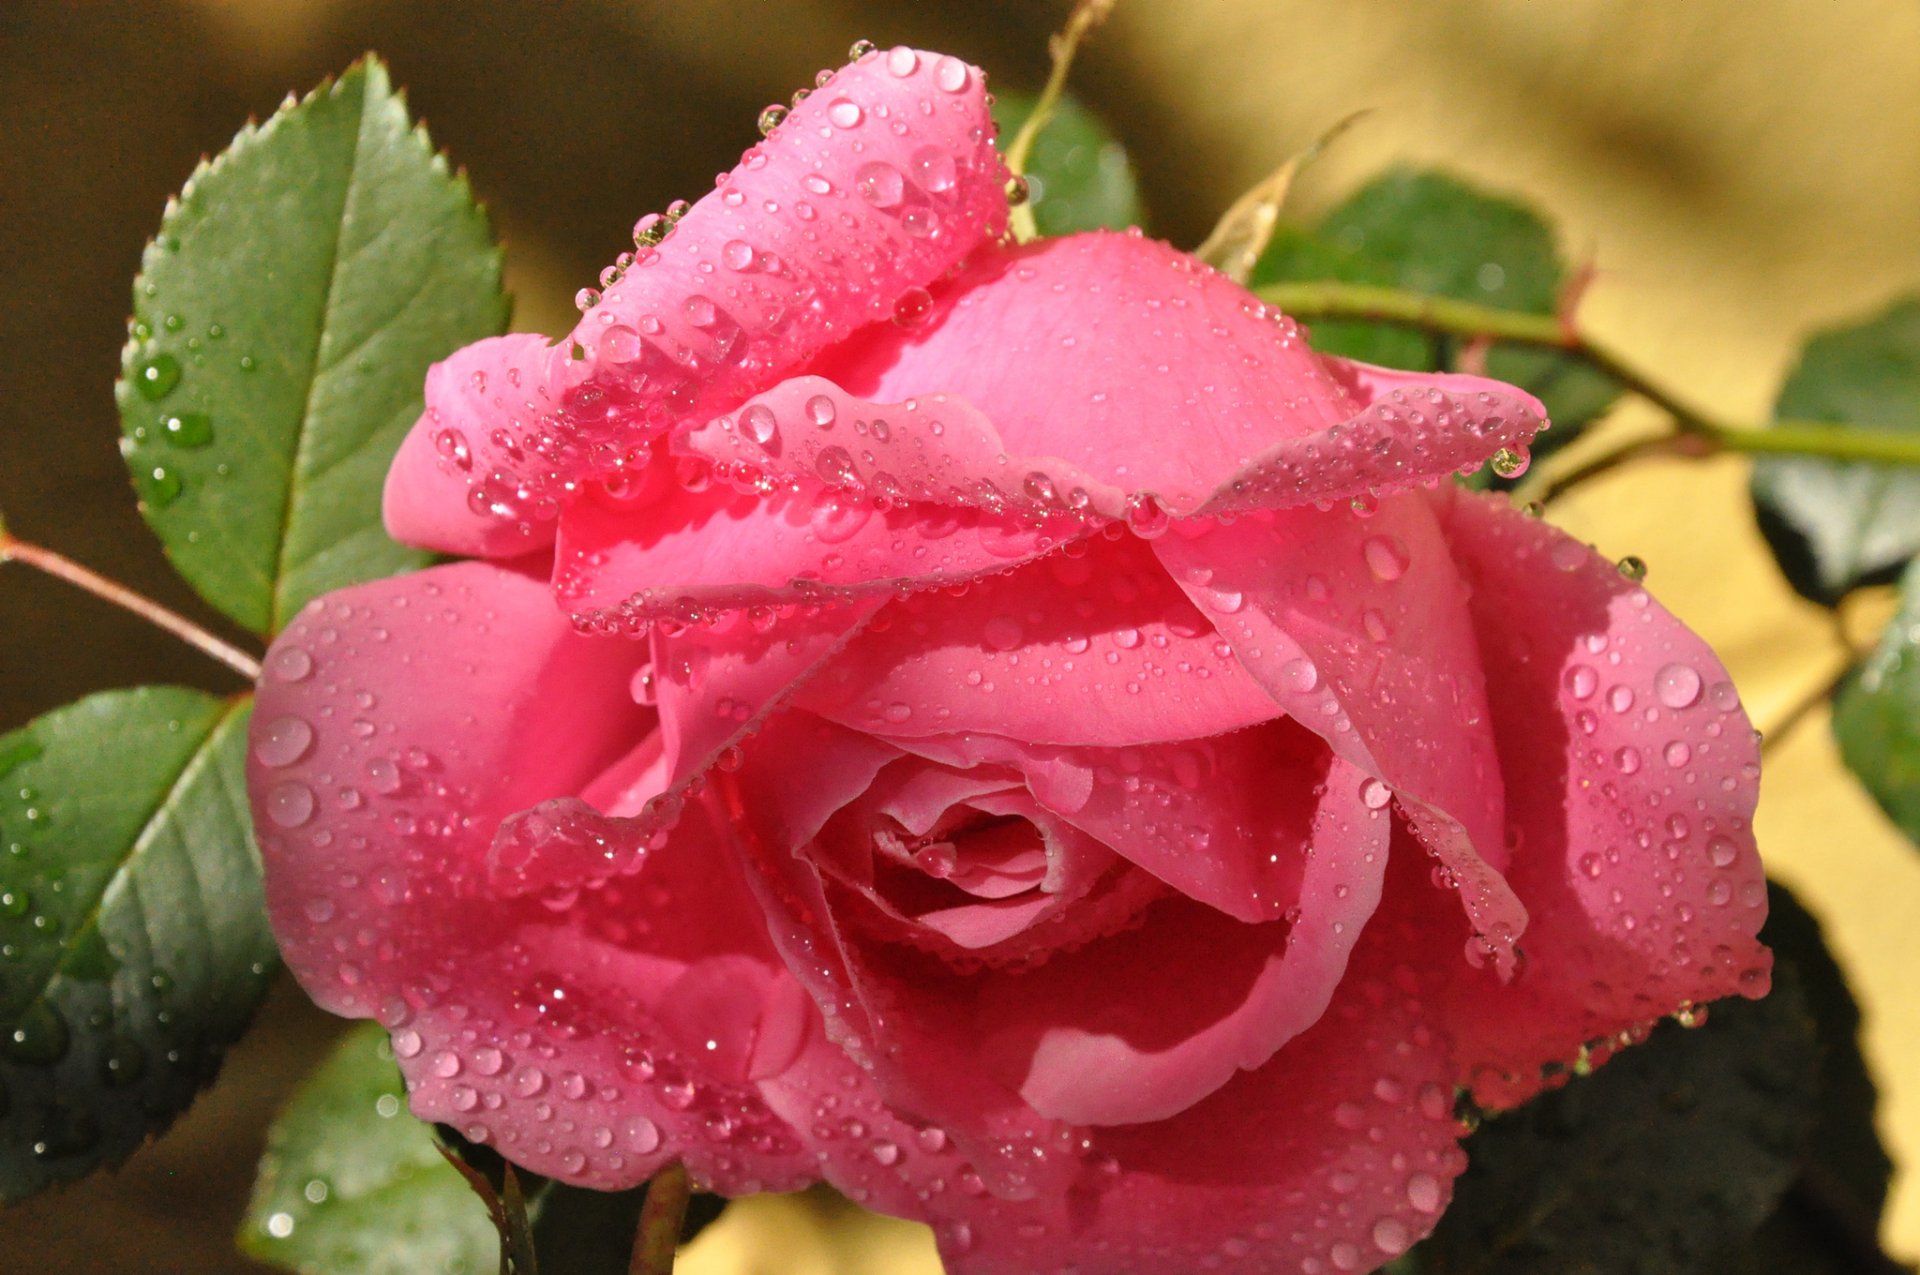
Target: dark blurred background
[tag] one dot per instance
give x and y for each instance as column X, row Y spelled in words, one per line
column 1739, row 170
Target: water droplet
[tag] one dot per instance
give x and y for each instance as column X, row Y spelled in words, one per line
column 821, row 411
column 845, row 113
column 1386, row 556
column 290, row 804
column 951, row 74
column 1581, row 681
column 1300, row 674
column 880, row 184
column 737, row 254
column 1677, row 686
column 1721, row 852
column 1423, row 1192
column 934, row 169
column 1002, row 633
column 1632, row 568
column 902, row 61
column 1374, row 795
column 770, row 119
column 156, row 378
column 1146, row 517
column 161, row 486
column 860, row 49
column 39, row 1036
column 1510, row 462
column 911, row 308
column 759, row 423
column 187, row 429
column 283, row 741
column 289, row 664
column 640, row 1134
column 1390, row 1236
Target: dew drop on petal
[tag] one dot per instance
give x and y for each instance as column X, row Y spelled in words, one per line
column 1386, row 557
column 283, row 741
column 289, row 805
column 1677, row 686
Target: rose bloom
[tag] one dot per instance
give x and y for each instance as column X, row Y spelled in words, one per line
column 1007, row 730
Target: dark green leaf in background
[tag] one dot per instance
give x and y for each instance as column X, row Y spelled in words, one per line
column 1835, row 525
column 1079, row 177
column 133, row 938
column 284, row 320
column 1876, row 715
column 1746, row 1144
column 1429, row 233
column 353, row 1184
column 1828, row 1222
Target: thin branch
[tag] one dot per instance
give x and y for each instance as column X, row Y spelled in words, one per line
column 1086, row 15
column 662, row 1216
column 1467, row 319
column 1545, row 487
column 64, row 568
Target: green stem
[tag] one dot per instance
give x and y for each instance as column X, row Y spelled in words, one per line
column 64, row 568
column 661, row 1218
column 1467, row 319
column 1086, row 15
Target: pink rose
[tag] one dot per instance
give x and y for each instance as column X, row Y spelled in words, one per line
column 1021, row 738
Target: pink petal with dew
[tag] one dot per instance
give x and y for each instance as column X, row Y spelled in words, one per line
column 939, row 448
column 1301, row 853
column 1336, row 1155
column 1357, row 626
column 1096, row 371
column 1228, row 821
column 772, row 803
column 1086, row 1056
column 1093, row 645
column 442, row 492
column 1632, row 774
column 692, row 555
column 873, row 188
column 397, row 724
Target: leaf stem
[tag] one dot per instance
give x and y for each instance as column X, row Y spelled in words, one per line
column 1467, row 319
column 661, row 1218
column 1086, row 15
column 63, row 568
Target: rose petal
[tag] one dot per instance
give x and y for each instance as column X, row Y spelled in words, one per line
column 1338, row 1154
column 1093, row 646
column 1357, row 627
column 440, row 493
column 1088, row 1057
column 1163, row 379
column 1013, row 1150
column 689, row 555
column 877, row 184
column 1632, row 774
column 397, row 723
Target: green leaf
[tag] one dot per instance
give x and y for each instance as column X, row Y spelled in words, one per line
column 1828, row 1223
column 1658, row 1161
column 1835, row 526
column 284, row 320
column 1078, row 177
column 132, row 928
column 1876, row 715
column 352, row 1183
column 1426, row 232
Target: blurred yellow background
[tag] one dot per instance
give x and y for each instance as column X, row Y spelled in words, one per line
column 1741, row 171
